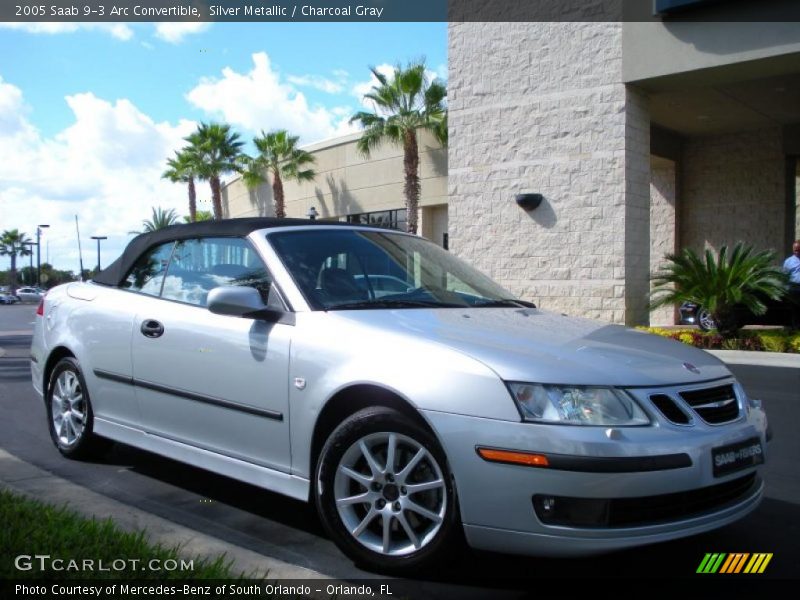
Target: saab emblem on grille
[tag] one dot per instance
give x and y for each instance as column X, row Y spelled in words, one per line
column 692, row 368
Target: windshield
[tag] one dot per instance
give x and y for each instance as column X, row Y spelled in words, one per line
column 358, row 269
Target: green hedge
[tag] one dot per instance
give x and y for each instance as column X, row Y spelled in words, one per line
column 758, row 340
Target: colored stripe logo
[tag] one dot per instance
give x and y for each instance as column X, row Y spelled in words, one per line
column 735, row 562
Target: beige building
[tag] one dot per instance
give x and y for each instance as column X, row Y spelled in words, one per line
column 350, row 187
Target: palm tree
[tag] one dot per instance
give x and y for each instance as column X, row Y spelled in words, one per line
column 719, row 284
column 402, row 105
column 183, row 168
column 159, row 220
column 279, row 156
column 200, row 215
column 13, row 243
column 216, row 150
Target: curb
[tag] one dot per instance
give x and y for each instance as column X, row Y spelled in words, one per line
column 764, row 359
column 21, row 477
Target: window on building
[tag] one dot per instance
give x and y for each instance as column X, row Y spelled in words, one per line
column 388, row 219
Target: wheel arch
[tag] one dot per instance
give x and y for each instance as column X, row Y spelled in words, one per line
column 349, row 401
column 56, row 355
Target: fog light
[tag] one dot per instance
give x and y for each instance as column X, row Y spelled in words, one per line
column 548, row 504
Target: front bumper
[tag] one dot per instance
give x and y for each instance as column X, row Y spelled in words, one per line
column 497, row 500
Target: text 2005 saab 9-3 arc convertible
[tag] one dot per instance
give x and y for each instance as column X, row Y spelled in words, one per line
column 414, row 416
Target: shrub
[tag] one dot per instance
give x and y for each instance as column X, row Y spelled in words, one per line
column 774, row 341
column 741, row 277
column 770, row 340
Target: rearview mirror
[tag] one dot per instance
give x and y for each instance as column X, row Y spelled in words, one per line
column 246, row 302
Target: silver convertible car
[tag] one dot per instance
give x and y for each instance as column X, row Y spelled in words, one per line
column 446, row 410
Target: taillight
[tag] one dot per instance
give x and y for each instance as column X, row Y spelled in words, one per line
column 40, row 309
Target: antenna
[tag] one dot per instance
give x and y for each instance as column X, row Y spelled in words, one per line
column 80, row 253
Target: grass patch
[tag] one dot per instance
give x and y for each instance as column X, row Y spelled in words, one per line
column 34, row 528
column 758, row 340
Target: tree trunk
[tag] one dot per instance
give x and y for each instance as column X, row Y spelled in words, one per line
column 192, row 201
column 12, row 274
column 277, row 192
column 727, row 324
column 412, row 187
column 216, row 197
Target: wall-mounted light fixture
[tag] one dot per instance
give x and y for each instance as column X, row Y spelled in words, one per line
column 312, row 213
column 529, row 201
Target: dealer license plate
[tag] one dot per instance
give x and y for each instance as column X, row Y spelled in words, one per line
column 734, row 457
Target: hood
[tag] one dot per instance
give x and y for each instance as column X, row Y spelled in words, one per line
column 540, row 346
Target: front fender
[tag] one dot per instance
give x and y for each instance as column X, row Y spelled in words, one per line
column 427, row 375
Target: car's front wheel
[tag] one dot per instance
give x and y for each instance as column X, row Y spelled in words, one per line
column 704, row 320
column 69, row 412
column 385, row 493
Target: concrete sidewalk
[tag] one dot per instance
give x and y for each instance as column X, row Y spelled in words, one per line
column 761, row 359
column 24, row 478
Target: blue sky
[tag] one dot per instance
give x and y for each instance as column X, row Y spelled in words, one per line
column 89, row 113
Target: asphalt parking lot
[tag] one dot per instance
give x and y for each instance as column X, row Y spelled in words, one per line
column 290, row 531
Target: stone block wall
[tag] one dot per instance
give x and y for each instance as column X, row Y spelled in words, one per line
column 540, row 107
column 734, row 188
column 663, row 191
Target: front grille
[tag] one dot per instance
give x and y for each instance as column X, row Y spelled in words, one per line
column 714, row 405
column 645, row 510
column 670, row 409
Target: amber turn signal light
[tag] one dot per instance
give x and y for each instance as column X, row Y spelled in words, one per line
column 527, row 459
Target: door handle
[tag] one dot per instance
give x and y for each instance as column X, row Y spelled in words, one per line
column 152, row 328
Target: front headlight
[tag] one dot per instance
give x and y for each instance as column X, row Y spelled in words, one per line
column 576, row 405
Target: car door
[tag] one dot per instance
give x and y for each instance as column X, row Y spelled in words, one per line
column 215, row 382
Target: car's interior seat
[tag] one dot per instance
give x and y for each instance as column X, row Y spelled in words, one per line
column 340, row 286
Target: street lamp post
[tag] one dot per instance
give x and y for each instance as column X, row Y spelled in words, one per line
column 98, row 238
column 39, row 254
column 30, row 273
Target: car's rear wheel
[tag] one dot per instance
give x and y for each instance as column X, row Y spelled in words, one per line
column 69, row 412
column 385, row 493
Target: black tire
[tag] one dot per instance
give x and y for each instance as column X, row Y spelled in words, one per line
column 438, row 541
column 70, row 442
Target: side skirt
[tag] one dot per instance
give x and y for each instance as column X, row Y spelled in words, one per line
column 269, row 479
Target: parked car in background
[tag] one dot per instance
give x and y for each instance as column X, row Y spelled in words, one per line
column 8, row 298
column 779, row 312
column 382, row 285
column 270, row 350
column 29, row 294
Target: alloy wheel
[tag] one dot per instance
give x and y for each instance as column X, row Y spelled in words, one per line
column 390, row 493
column 68, row 409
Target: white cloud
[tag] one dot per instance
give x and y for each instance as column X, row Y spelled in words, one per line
column 262, row 99
column 120, row 31
column 106, row 167
column 317, row 82
column 175, row 32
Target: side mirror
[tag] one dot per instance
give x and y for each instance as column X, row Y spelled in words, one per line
column 246, row 302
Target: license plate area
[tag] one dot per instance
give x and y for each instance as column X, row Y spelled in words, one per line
column 735, row 457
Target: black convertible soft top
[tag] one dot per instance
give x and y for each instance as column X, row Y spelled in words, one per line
column 114, row 273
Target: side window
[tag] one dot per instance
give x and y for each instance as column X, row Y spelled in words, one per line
column 147, row 274
column 198, row 266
